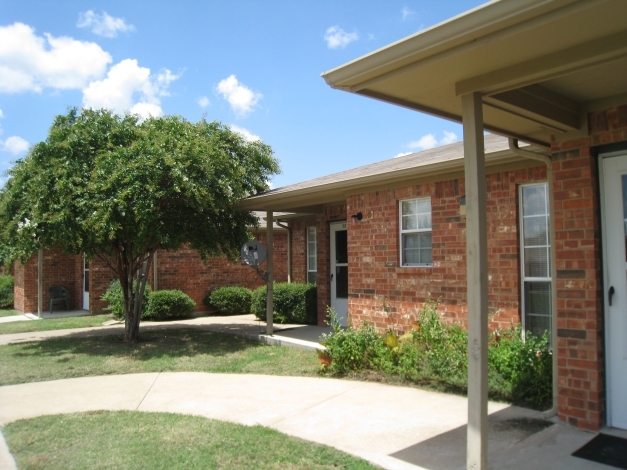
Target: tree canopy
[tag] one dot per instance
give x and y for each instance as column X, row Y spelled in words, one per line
column 120, row 188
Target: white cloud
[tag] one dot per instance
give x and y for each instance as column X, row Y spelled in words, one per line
column 30, row 63
column 241, row 98
column 429, row 141
column 425, row 142
column 14, row 145
column 337, row 37
column 1, row 114
column 245, row 133
column 203, row 101
column 129, row 87
column 407, row 13
column 402, row 154
column 449, row 138
column 103, row 25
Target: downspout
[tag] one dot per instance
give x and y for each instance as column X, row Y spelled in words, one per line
column 516, row 150
column 40, row 282
column 289, row 249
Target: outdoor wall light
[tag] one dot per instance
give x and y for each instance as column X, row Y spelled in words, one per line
column 356, row 217
column 462, row 206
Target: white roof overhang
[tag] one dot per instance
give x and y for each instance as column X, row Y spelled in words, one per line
column 540, row 66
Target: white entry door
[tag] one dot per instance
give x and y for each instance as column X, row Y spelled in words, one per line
column 85, row 284
column 614, row 210
column 339, row 271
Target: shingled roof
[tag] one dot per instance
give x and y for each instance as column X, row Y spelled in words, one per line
column 308, row 195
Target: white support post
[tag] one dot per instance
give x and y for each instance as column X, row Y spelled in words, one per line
column 155, row 274
column 40, row 282
column 270, row 261
column 477, row 280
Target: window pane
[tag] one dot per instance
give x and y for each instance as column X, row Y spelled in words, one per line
column 341, row 284
column 410, row 222
column 341, row 246
column 417, row 248
column 408, row 207
column 536, row 231
column 537, row 262
column 424, row 221
column 312, row 277
column 311, row 249
column 534, row 200
column 537, row 307
column 423, row 206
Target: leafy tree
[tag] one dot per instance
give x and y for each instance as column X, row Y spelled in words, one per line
column 119, row 188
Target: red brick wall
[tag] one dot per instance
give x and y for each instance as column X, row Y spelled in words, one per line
column 581, row 374
column 185, row 270
column 59, row 270
column 182, row 270
column 375, row 275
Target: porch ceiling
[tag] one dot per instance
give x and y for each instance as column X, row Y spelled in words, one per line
column 540, row 65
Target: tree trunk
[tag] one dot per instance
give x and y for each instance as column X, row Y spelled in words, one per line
column 133, row 299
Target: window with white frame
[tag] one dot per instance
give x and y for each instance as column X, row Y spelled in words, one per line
column 535, row 245
column 415, row 232
column 312, row 257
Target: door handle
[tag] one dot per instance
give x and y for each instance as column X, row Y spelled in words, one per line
column 610, row 294
column 332, row 280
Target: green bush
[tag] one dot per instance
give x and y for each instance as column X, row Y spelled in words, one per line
column 114, row 296
column 168, row 304
column 354, row 349
column 229, row 300
column 435, row 354
column 293, row 303
column 6, row 291
column 443, row 347
column 525, row 365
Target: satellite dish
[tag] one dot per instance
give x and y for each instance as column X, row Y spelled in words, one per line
column 253, row 253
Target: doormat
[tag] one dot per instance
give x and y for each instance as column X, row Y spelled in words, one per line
column 605, row 449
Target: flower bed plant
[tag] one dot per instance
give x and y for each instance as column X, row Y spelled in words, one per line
column 434, row 353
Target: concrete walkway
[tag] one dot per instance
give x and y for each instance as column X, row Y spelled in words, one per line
column 394, row 427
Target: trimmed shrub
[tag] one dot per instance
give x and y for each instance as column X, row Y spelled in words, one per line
column 168, row 304
column 293, row 303
column 6, row 291
column 229, row 300
column 114, row 296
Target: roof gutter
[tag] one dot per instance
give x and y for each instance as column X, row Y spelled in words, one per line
column 513, row 146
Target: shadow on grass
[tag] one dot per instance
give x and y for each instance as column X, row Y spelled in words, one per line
column 169, row 348
column 153, row 343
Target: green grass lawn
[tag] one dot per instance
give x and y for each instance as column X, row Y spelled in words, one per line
column 179, row 350
column 8, row 312
column 53, row 324
column 135, row 440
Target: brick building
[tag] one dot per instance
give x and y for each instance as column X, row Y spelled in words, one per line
column 542, row 243
column 182, row 269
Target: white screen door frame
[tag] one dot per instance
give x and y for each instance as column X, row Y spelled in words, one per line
column 339, row 270
column 613, row 184
column 85, row 284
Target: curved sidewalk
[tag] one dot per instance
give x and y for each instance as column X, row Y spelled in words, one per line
column 395, row 427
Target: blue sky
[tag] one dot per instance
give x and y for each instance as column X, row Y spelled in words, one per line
column 253, row 65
